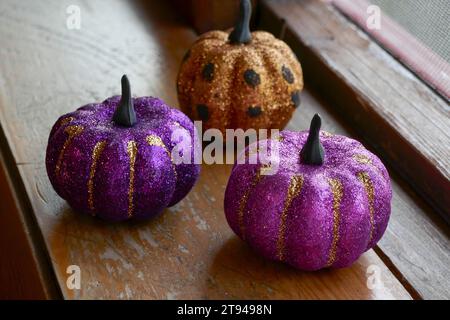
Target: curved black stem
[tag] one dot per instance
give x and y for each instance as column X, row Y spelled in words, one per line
column 125, row 114
column 241, row 32
column 312, row 152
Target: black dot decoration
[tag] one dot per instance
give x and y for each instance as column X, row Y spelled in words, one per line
column 252, row 78
column 287, row 74
column 187, row 55
column 295, row 97
column 254, row 111
column 202, row 111
column 208, row 71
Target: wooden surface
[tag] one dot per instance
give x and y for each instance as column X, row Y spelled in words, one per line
column 398, row 114
column 342, row 64
column 189, row 251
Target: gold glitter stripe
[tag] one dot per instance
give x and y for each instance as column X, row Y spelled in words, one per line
column 244, row 199
column 132, row 151
column 153, row 140
column 367, row 182
column 295, row 186
column 98, row 149
column 337, row 190
column 65, row 121
column 72, row 132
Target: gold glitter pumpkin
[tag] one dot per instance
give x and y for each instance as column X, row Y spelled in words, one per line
column 240, row 79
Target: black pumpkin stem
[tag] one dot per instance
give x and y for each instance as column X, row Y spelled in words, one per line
column 125, row 114
column 241, row 32
column 312, row 152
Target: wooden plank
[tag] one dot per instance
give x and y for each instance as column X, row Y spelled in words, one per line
column 189, row 251
column 416, row 242
column 20, row 275
column 398, row 114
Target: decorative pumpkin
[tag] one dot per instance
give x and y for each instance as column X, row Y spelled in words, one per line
column 328, row 202
column 240, row 79
column 113, row 159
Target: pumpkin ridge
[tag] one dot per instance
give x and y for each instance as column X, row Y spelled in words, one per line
column 283, row 50
column 230, row 111
column 72, row 132
column 186, row 78
column 261, row 37
column 243, row 201
column 270, row 46
column 242, row 66
column 277, row 45
column 271, row 93
column 154, row 140
column 210, row 43
column 366, row 181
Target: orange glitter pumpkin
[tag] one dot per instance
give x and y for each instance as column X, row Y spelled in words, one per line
column 240, row 79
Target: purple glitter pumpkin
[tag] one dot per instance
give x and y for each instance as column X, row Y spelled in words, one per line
column 113, row 159
column 328, row 202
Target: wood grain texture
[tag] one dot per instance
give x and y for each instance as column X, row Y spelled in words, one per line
column 416, row 242
column 398, row 114
column 189, row 251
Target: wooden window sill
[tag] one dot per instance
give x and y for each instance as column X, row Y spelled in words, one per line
column 401, row 117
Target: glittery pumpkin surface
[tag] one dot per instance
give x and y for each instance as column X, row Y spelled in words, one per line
column 311, row 217
column 255, row 85
column 115, row 172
